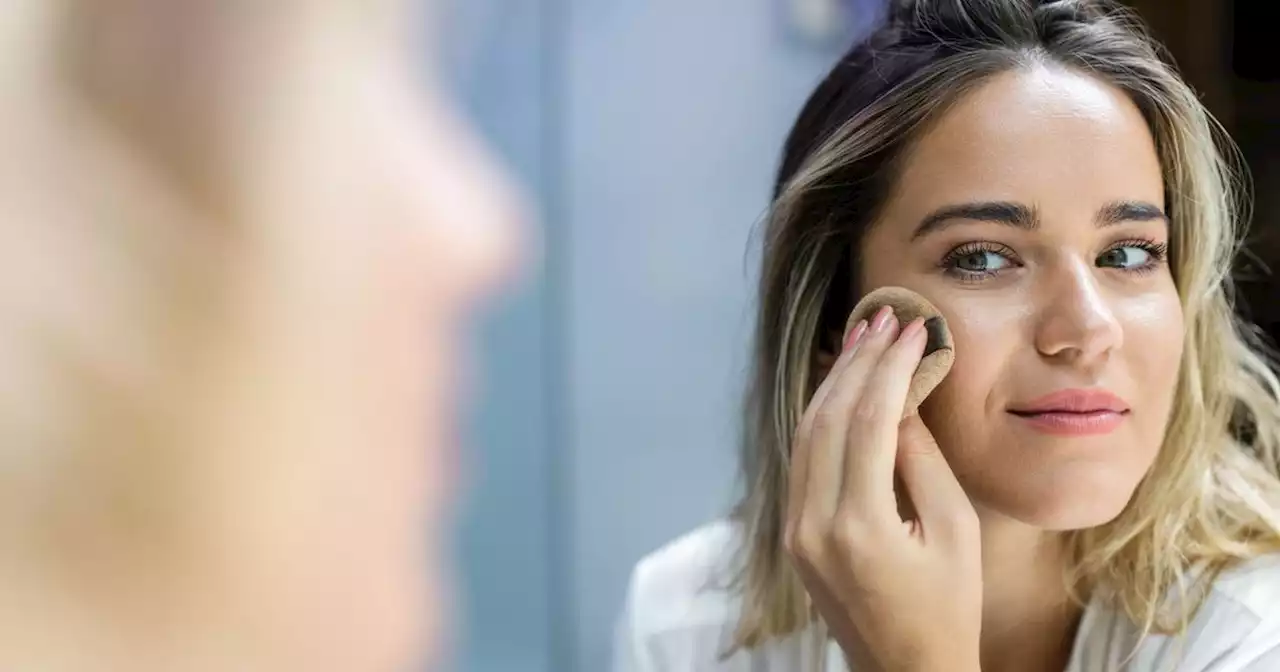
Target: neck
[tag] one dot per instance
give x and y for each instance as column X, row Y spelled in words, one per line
column 1028, row 619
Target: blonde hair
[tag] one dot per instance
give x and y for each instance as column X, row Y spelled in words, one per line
column 1212, row 496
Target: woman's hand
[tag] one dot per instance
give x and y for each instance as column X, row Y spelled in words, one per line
column 906, row 592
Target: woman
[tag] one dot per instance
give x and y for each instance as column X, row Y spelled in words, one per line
column 242, row 241
column 1094, row 485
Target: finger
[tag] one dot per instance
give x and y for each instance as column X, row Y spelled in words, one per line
column 939, row 499
column 800, row 446
column 872, row 442
column 842, row 362
column 828, row 441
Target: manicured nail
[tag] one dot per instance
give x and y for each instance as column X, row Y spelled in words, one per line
column 882, row 319
column 912, row 331
column 856, row 334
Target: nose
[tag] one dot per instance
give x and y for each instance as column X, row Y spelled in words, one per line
column 1077, row 324
column 480, row 227
column 469, row 216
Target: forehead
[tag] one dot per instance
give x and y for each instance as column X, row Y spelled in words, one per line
column 1057, row 140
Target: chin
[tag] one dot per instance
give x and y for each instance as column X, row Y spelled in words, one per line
column 1066, row 520
column 1059, row 503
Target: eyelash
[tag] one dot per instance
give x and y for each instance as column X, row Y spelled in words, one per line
column 948, row 263
column 1157, row 253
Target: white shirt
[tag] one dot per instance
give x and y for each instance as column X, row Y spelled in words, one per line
column 679, row 617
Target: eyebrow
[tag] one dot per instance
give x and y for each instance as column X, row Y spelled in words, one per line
column 1025, row 217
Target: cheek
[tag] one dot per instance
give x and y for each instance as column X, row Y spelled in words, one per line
column 1153, row 344
column 1152, row 356
column 959, row 412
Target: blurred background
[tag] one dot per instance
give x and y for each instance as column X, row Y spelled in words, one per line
column 648, row 131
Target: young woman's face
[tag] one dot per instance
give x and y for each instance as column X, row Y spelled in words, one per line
column 1032, row 215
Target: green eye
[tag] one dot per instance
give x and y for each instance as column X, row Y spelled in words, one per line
column 1137, row 256
column 981, row 261
column 1128, row 256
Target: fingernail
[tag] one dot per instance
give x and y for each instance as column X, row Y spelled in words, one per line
column 856, row 334
column 912, row 331
column 882, row 319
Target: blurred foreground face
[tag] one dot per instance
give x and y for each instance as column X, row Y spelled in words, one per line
column 357, row 224
column 378, row 224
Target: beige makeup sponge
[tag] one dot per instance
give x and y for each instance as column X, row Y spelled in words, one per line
column 939, row 351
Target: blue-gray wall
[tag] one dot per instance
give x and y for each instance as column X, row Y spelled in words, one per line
column 500, row 58
column 649, row 132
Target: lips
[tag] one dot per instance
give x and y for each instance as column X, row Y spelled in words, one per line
column 1073, row 412
column 1073, row 401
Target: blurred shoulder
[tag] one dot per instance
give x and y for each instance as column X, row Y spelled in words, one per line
column 1249, row 595
column 683, row 608
column 686, row 584
column 1254, row 585
column 1239, row 622
column 1236, row 628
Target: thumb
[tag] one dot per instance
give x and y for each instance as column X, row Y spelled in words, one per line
column 939, row 500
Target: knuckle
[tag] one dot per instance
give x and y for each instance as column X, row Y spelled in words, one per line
column 804, row 540
column 867, row 410
column 914, row 445
column 850, row 536
column 824, row 422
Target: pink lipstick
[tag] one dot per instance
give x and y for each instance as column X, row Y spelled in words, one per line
column 1081, row 412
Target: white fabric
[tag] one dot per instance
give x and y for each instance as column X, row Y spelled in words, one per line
column 678, row 618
